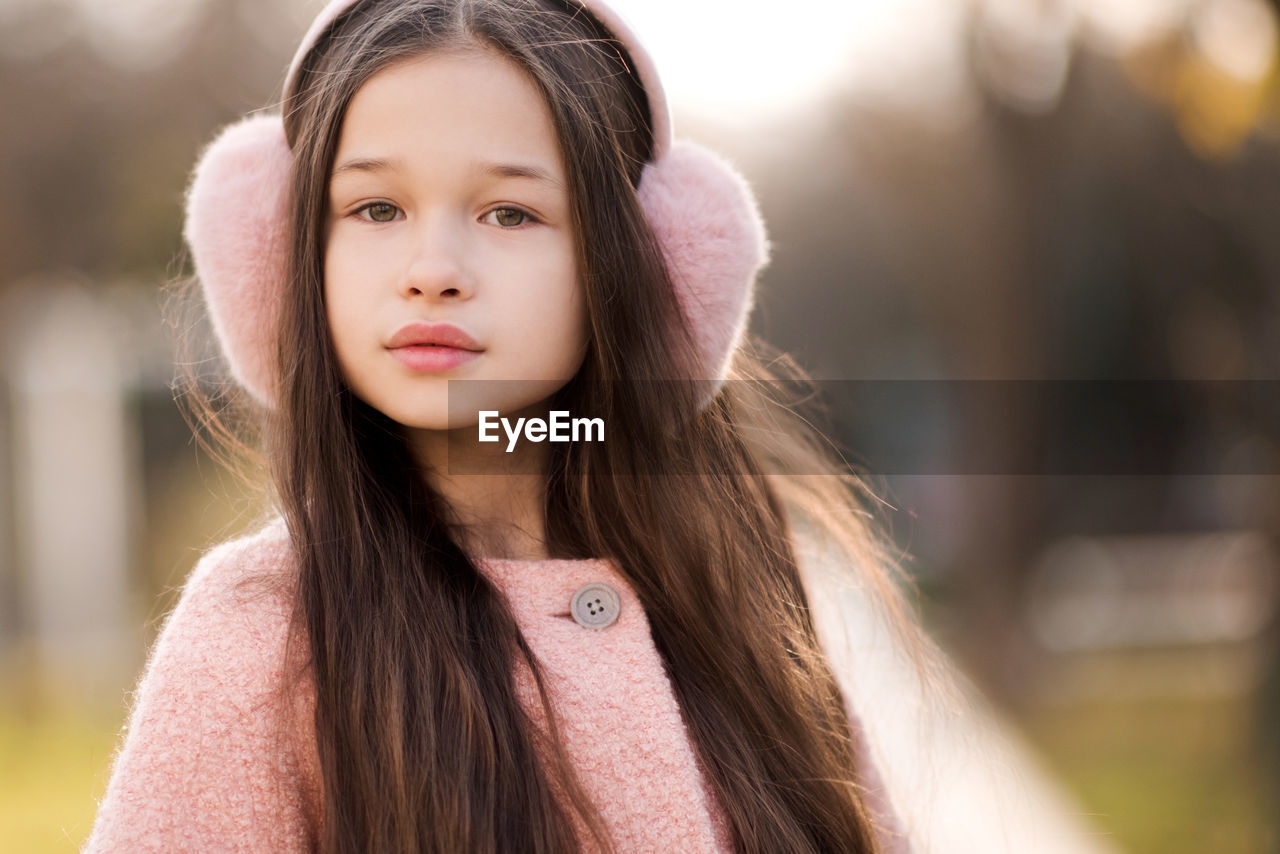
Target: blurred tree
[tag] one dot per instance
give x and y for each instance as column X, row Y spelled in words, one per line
column 1086, row 236
column 98, row 144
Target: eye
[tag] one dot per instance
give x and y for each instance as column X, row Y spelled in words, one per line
column 511, row 217
column 379, row 211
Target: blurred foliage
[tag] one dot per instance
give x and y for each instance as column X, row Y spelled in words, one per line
column 56, row 762
column 98, row 143
column 1165, row 777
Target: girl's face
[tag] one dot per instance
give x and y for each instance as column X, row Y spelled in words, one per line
column 448, row 204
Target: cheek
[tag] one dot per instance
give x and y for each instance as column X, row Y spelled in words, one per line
column 572, row 338
column 342, row 284
column 578, row 323
column 544, row 308
column 546, row 336
column 333, row 309
column 573, row 298
column 569, row 323
column 343, row 314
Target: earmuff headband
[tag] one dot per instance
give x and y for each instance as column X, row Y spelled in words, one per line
column 700, row 209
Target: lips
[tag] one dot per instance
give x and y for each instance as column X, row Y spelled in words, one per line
column 433, row 347
column 433, row 334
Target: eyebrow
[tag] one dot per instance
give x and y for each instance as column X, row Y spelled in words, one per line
column 489, row 169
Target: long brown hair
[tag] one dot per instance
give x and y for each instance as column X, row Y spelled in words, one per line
column 423, row 745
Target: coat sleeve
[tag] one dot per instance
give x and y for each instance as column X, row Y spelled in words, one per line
column 204, row 765
column 954, row 776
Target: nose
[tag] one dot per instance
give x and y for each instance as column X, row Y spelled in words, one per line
column 437, row 266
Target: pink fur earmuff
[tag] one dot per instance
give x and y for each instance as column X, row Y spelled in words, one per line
column 701, row 209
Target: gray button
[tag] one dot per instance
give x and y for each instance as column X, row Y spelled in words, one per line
column 595, row 605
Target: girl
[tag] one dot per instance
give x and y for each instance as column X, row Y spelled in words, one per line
column 448, row 644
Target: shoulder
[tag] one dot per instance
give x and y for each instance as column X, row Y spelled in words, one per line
column 250, row 575
column 264, row 555
column 208, row 760
column 231, row 619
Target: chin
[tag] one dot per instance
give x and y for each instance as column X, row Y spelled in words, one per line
column 431, row 418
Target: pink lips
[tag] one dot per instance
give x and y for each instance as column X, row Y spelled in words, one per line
column 433, row 346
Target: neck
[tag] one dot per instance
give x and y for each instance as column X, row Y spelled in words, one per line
column 496, row 498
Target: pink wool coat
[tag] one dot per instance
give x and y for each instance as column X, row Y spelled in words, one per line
column 200, row 768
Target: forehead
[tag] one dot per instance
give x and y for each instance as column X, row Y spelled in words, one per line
column 446, row 110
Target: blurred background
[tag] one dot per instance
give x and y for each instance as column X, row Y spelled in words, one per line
column 1032, row 190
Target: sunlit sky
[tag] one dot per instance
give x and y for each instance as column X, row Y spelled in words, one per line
column 722, row 59
column 728, row 60
column 752, row 62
